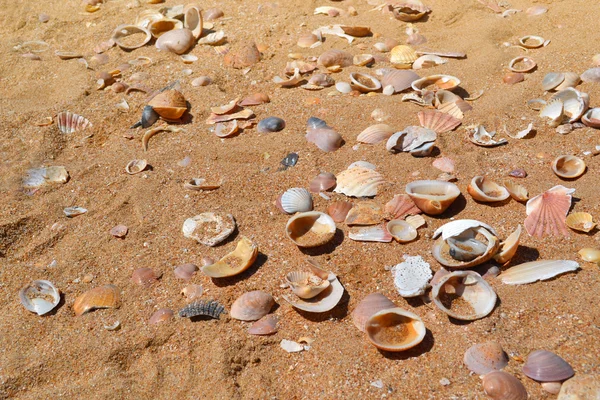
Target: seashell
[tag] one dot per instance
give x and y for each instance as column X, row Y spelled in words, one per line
column 552, row 80
column 464, row 295
column 192, row 292
column 160, row 315
column 551, row 387
column 513, row 77
column 537, row 271
column 361, row 60
column 67, row 55
column 403, row 56
column 432, row 197
column 215, row 118
column 199, row 184
column 321, row 80
column 401, row 231
column 358, row 182
column 173, row 12
column 395, row 329
column 213, row 39
column 416, row 221
column 571, row 80
column 42, row 176
column 575, row 103
column 386, row 46
column 370, row 234
column 438, row 121
column 323, row 182
column 119, row 231
column 517, row 192
column 176, row 41
column 579, row 387
column 465, row 249
column 444, row 164
column 568, row 167
column 255, row 99
column 130, row 37
column 509, row 247
column 296, row 200
column 554, row 111
column 308, row 40
column 481, row 137
column 458, row 227
column 40, row 297
column 428, row 61
column 399, row 79
column 210, row 308
column 343, row 87
column 189, row 59
column 522, row 64
column 185, row 271
column 323, row 136
column 324, row 301
column 252, row 306
column 170, row 104
column 536, row 10
column 545, row 366
column 362, row 164
column 305, row 284
column 580, row 221
column 364, row 213
column 226, row 108
column 209, row 228
column 483, row 358
column 71, row 212
column 412, row 139
column 270, row 124
column 412, row 276
column 364, row 83
column 546, row 213
column 484, row 190
column 212, row 14
column 267, row 325
column 400, row 206
column 192, row 19
column 356, row 31
column 335, row 57
column 159, row 27
column 144, row 277
column 531, row 41
column 435, row 83
column 592, row 118
column 500, row 385
column 202, row 81
column 591, row 75
column 338, row 210
column 69, row 122
column 106, row 296
column 409, row 10
column 235, row 262
column 135, row 166
column 310, row 229
column 369, row 306
column 589, row 254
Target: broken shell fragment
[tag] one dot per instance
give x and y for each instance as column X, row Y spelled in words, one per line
column 580, row 221
column 369, row 306
column 568, row 167
column 360, row 60
column 428, row 61
column 209, row 228
column 234, row 263
column 537, row 271
column 310, row 229
column 252, row 306
column 412, row 276
column 305, row 284
column 135, row 166
column 358, row 182
column 484, row 190
column 395, row 329
column 409, row 10
column 338, row 210
column 106, row 296
column 479, row 136
column 592, row 118
column 40, row 297
column 199, row 184
column 432, row 197
column 323, row 182
column 517, row 192
column 370, row 234
column 521, row 64
column 467, row 247
column 296, row 200
column 176, row 41
column 509, row 247
column 69, row 122
column 71, row 212
column 500, row 385
column 464, row 295
column 364, row 83
column 546, row 213
column 324, row 301
column 401, row 231
column 264, row 326
column 130, row 37
column 435, row 83
column 483, row 358
column 416, row 140
column 254, row 99
column 119, row 231
column 38, row 177
column 545, row 366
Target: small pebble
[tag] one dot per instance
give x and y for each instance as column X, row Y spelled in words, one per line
column 290, row 160
column 378, row 384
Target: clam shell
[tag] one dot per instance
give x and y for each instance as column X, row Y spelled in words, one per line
column 243, row 55
column 509, row 247
column 323, row 136
column 192, row 19
column 409, row 10
column 369, row 306
column 135, row 166
column 160, row 315
column 546, row 213
column 323, row 182
column 213, row 13
column 37, row 177
column 338, row 210
column 554, row 111
column 428, row 61
column 591, row 75
column 296, row 200
column 235, row 262
column 460, row 226
column 590, row 254
column 545, row 366
column 500, row 385
column 448, row 257
column 432, row 197
column 252, row 306
column 400, row 206
column 213, row 39
column 568, row 167
column 592, row 118
column 517, row 192
column 572, row 79
column 267, row 325
column 464, row 295
column 513, row 77
column 360, row 60
column 412, row 276
column 552, row 80
column 270, row 124
column 335, row 57
column 399, row 79
column 395, row 329
column 575, row 103
column 321, row 80
column 40, row 297
column 255, row 99
column 438, row 121
column 69, row 122
column 176, row 41
column 308, row 40
column 170, row 104
column 370, row 234
column 356, row 31
column 537, row 271
column 363, row 82
column 74, row 211
column 122, row 32
column 435, row 83
column 159, row 27
column 306, row 285
column 358, row 182
column 582, row 386
column 310, row 229
column 401, row 231
column 185, row 271
column 580, row 221
column 531, row 41
column 106, row 296
column 403, row 55
column 522, row 64
column 364, row 213
column 324, row 301
column 483, row 358
column 486, row 191
column 209, row 228
column 144, row 277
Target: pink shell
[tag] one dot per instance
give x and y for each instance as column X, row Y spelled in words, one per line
column 438, row 121
column 185, row 271
column 323, row 182
column 401, row 206
column 267, row 325
column 69, row 123
column 325, row 139
column 144, row 277
column 162, row 315
column 119, row 231
column 338, row 210
column 547, row 212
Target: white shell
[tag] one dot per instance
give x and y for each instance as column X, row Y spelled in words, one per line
column 296, row 200
column 481, row 137
column 537, row 271
column 74, row 211
column 575, row 103
column 358, row 182
column 305, row 284
column 290, row 346
column 39, row 297
column 428, row 61
column 473, row 289
column 412, row 276
column 358, row 82
column 554, row 111
column 456, row 228
column 69, row 122
column 402, row 231
column 209, row 228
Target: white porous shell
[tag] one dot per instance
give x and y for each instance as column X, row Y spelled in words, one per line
column 209, row 228
column 296, row 200
column 412, row 276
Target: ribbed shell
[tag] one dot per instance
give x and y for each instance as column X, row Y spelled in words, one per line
column 370, row 234
column 69, row 122
column 338, row 210
column 546, row 213
column 400, row 206
column 210, row 308
column 399, row 79
column 438, row 121
column 403, row 55
column 358, row 182
column 296, row 200
column 375, row 134
column 580, row 221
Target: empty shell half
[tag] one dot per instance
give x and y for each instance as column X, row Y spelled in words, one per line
column 369, row 306
column 39, row 296
column 375, row 134
column 509, row 247
column 484, row 190
column 234, row 263
column 209, row 228
column 517, row 192
column 592, row 118
column 130, row 37
column 568, row 167
column 106, row 296
column 395, row 329
column 464, row 295
column 580, row 221
column 436, row 82
column 401, row 231
column 324, row 301
column 69, row 122
column 575, row 103
column 135, row 166
column 364, row 83
column 432, row 197
column 296, row 200
column 305, row 284
column 521, row 64
column 310, row 229
column 472, row 246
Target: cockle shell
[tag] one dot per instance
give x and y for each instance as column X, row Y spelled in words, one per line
column 160, row 315
column 395, row 329
column 400, row 206
column 305, row 284
column 403, row 56
column 509, row 247
column 296, row 200
column 335, row 57
column 484, row 190
column 310, row 229
column 69, row 123
column 546, row 213
column 545, row 366
column 500, row 385
column 170, row 104
column 554, row 111
column 40, row 297
column 369, row 306
column 135, row 166
column 435, row 83
column 324, row 301
column 412, row 276
column 370, row 234
column 358, row 182
column 363, row 82
column 267, row 325
column 568, row 167
column 580, row 221
column 176, row 41
column 122, row 32
column 537, row 271
column 483, row 358
column 464, row 295
column 144, row 277
column 252, row 306
column 106, row 296
column 209, row 228
column 517, row 192
column 323, row 182
column 401, row 231
column 438, row 121
column 338, row 210
column 235, row 262
column 399, row 79
column 432, row 197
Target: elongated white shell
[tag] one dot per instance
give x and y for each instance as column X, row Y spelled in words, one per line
column 296, row 200
column 537, row 271
column 358, row 182
column 412, row 276
column 455, row 228
column 39, row 297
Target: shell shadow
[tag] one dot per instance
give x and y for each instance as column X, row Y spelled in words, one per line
column 456, row 207
column 261, row 259
column 199, row 318
column 230, row 238
column 524, row 254
column 494, row 204
column 340, row 311
column 328, row 247
column 425, row 346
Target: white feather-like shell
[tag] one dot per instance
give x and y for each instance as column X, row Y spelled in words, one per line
column 358, row 182
column 296, row 200
column 537, row 271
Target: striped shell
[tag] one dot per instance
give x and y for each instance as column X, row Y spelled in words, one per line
column 210, row 308
column 375, row 134
column 438, row 121
column 252, row 306
column 106, row 296
column 403, row 55
column 69, row 122
column 358, row 182
column 296, row 200
column 399, row 79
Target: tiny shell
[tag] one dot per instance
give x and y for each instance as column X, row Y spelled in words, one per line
column 106, row 296
column 192, row 292
column 212, row 14
column 185, row 271
column 412, row 276
column 432, row 197
column 39, row 297
column 568, row 167
column 486, row 191
column 537, row 271
column 361, row 60
column 464, row 295
column 135, row 166
column 200, row 184
column 69, row 123
column 591, row 75
column 395, row 329
column 369, row 306
column 428, row 61
column 270, row 124
column 444, row 164
column 483, row 358
column 322, row 135
column 202, row 81
column 210, row 308
column 481, row 137
column 358, row 182
column 144, row 277
column 580, row 221
column 209, row 228
column 267, row 325
column 545, row 366
column 160, row 315
column 252, row 306
column 513, row 77
column 500, row 385
column 235, row 262
column 522, row 64
column 339, row 210
column 308, row 40
column 119, row 231
column 310, row 229
column 590, row 254
column 402, row 231
column 323, row 182
column 592, row 118
column 296, row 200
column 74, row 211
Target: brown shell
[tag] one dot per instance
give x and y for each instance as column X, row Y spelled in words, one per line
column 364, row 213
column 161, row 315
column 252, row 306
column 500, row 385
column 106, row 296
column 338, row 210
column 323, row 182
column 169, row 104
column 267, row 325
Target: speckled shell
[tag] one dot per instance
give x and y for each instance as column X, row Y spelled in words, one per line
column 485, row 357
column 252, row 306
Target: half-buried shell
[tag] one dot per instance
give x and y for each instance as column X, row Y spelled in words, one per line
column 252, row 306
column 483, row 358
column 209, row 228
column 39, row 297
column 310, row 229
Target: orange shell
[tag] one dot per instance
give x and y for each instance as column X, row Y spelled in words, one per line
column 169, row 104
column 106, row 296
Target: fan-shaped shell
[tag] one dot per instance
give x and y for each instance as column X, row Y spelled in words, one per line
column 487, row 191
column 40, row 297
column 517, row 192
column 335, row 57
column 234, row 263
column 106, row 296
column 209, row 228
column 170, row 104
column 252, row 306
column 432, row 197
column 400, row 206
column 399, row 79
column 369, row 306
column 435, row 83
column 403, row 55
column 176, row 41
column 483, row 358
column 144, row 276
column 546, row 213
column 135, row 166
column 401, row 230
column 568, row 167
column 358, row 182
column 122, row 32
column 310, row 229
column 464, row 295
column 545, row 366
column 364, row 82
column 466, row 250
column 438, row 121
column 267, row 325
column 500, row 385
column 580, row 221
column 395, row 329
column 69, row 122
column 375, row 134
column 296, row 200
column 338, row 210
column 306, row 285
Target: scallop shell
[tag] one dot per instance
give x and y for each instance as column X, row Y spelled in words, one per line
column 592, row 118
column 267, row 325
column 435, row 83
column 500, row 385
column 546, row 213
column 176, row 41
column 438, row 121
column 106, row 296
column 192, row 19
column 144, row 277
column 531, row 41
column 403, row 55
column 252, row 306
column 468, row 244
column 170, row 104
column 464, row 295
column 69, row 123
column 364, row 213
column 568, row 167
column 552, row 80
column 575, row 103
column 335, row 57
column 324, row 301
column 401, row 231
column 161, row 26
column 395, row 329
column 135, row 166
column 545, row 366
column 296, row 200
column 338, row 210
column 306, row 285
column 479, row 136
column 399, row 79
column 40, row 297
column 444, row 164
column 412, row 276
column 400, row 206
column 364, row 83
column 484, row 190
column 509, row 247
column 123, row 31
column 517, row 192
column 185, row 271
column 370, row 234
column 416, row 221
column 323, row 182
column 235, row 262
column 209, row 228
column 580, row 221
column 522, row 64
column 160, row 315
column 432, row 197
column 537, row 271
column 310, row 229
column 359, row 182
column 483, row 358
